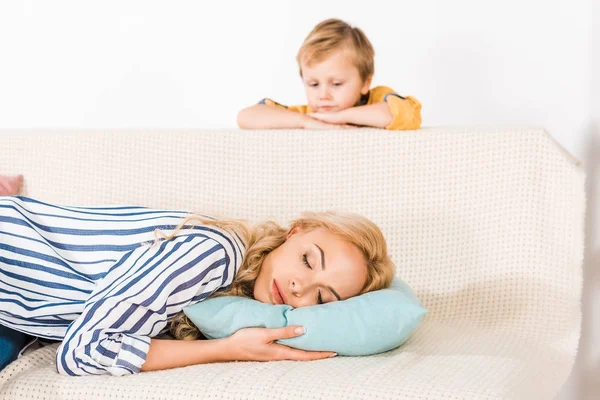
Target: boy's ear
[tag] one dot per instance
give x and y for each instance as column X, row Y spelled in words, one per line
column 366, row 86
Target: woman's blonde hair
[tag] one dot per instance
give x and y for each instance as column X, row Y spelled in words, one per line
column 332, row 35
column 265, row 237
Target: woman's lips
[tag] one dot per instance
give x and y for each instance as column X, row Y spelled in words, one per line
column 278, row 295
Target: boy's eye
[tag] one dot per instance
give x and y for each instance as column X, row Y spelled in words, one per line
column 313, row 84
column 337, row 84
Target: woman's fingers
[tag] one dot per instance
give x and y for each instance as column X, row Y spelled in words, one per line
column 286, row 332
column 259, row 344
column 289, row 353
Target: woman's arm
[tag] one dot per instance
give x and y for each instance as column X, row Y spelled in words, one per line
column 165, row 354
column 250, row 344
column 131, row 303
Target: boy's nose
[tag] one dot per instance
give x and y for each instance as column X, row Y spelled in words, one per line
column 324, row 95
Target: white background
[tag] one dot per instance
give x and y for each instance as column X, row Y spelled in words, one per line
column 195, row 64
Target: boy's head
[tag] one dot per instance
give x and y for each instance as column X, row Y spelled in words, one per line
column 336, row 66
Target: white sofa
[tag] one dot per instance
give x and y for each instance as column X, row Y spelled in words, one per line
column 485, row 223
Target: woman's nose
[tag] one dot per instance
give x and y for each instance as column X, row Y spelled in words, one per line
column 301, row 293
column 295, row 287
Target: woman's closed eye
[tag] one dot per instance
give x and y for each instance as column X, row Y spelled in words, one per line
column 305, row 261
column 319, row 297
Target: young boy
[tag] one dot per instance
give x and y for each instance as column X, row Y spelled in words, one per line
column 336, row 67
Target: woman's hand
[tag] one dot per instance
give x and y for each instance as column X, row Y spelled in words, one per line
column 257, row 344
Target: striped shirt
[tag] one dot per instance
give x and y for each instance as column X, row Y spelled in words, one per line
column 91, row 278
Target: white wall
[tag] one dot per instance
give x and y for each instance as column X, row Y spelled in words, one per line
column 585, row 378
column 193, row 64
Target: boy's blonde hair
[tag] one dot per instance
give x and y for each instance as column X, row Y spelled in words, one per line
column 263, row 238
column 332, row 35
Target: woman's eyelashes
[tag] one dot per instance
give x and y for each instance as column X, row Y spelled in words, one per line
column 305, row 261
column 319, row 297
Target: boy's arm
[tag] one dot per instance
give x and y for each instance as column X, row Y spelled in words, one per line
column 394, row 113
column 376, row 115
column 262, row 116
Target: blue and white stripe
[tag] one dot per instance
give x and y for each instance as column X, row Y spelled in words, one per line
column 87, row 276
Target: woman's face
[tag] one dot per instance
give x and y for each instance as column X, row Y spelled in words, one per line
column 309, row 268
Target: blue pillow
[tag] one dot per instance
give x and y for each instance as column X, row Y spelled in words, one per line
column 371, row 323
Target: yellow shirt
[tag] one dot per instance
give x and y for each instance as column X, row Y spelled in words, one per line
column 405, row 110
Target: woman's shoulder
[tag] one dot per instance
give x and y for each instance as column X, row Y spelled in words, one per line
column 231, row 242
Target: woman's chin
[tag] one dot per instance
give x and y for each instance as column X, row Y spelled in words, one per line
column 260, row 295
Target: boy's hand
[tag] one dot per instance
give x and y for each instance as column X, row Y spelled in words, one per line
column 334, row 117
column 313, row 123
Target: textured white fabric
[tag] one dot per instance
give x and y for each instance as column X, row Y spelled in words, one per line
column 485, row 223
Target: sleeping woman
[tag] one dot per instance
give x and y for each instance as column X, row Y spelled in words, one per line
column 106, row 281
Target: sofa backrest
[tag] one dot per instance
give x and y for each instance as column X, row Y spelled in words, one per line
column 475, row 217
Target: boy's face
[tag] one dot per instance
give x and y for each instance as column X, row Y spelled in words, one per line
column 334, row 83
